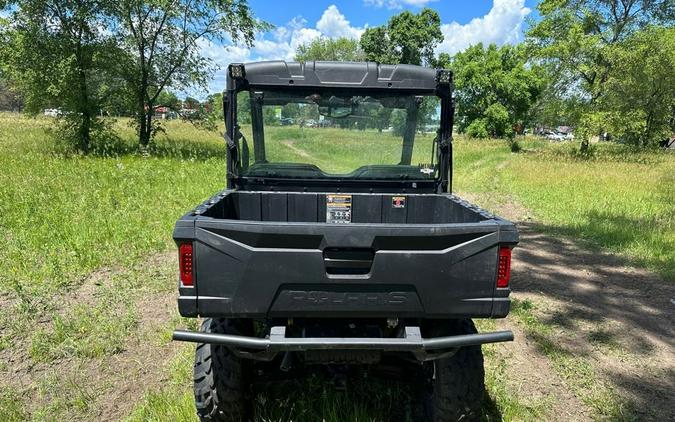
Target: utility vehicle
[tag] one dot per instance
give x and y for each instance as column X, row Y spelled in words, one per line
column 338, row 242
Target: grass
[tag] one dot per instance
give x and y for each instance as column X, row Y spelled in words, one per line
column 618, row 199
column 64, row 216
column 625, row 203
column 67, row 215
column 11, row 409
column 174, row 400
column 87, row 331
column 509, row 405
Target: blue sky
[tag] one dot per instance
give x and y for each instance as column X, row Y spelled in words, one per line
column 297, row 22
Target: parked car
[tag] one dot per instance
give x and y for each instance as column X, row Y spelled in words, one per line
column 53, row 112
column 554, row 136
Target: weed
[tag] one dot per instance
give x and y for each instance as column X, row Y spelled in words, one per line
column 11, row 408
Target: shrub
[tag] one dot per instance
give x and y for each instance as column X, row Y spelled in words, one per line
column 498, row 121
column 477, row 129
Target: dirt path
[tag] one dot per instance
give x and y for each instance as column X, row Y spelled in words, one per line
column 300, row 152
column 618, row 318
column 607, row 328
column 531, row 379
column 76, row 387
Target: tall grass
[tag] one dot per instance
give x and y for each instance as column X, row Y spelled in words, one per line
column 64, row 215
column 620, row 199
column 625, row 203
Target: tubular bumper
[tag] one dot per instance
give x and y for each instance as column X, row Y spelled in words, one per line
column 411, row 341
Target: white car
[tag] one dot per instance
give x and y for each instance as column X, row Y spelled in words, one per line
column 553, row 136
column 53, row 112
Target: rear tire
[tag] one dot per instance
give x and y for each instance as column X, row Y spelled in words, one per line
column 220, row 378
column 457, row 387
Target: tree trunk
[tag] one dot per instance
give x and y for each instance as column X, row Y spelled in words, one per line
column 144, row 124
column 84, row 106
column 85, row 129
column 145, row 130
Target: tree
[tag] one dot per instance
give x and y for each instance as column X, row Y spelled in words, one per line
column 639, row 97
column 215, row 102
column 10, row 99
column 58, row 55
column 495, row 89
column 191, row 103
column 407, row 38
column 169, row 99
column 164, row 39
column 340, row 49
column 574, row 39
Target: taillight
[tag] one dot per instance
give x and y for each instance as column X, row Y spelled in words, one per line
column 504, row 267
column 185, row 264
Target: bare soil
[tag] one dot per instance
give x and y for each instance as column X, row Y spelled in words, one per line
column 110, row 385
column 617, row 317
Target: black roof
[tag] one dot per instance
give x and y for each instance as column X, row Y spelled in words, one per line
column 340, row 75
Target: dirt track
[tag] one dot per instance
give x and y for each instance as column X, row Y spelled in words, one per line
column 618, row 318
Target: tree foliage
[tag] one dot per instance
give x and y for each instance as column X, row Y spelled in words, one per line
column 495, row 89
column 59, row 55
column 576, row 40
column 164, row 38
column 407, row 38
column 638, row 103
column 10, row 98
column 340, row 49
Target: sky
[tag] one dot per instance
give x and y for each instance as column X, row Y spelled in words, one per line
column 464, row 23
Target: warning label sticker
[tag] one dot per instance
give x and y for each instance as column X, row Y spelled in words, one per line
column 398, row 201
column 338, row 208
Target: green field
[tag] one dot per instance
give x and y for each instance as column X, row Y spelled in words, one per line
column 65, row 216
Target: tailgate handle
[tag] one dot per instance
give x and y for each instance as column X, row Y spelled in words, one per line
column 348, row 260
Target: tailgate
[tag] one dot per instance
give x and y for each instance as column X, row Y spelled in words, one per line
column 267, row 269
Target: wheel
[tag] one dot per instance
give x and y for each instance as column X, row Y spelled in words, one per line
column 456, row 390
column 220, row 378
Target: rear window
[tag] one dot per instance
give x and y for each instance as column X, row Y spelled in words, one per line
column 307, row 134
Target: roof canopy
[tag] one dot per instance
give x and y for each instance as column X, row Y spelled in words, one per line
column 338, row 75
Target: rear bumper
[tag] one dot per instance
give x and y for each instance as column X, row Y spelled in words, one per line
column 410, row 341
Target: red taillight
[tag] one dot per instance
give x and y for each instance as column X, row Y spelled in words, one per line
column 185, row 264
column 504, row 267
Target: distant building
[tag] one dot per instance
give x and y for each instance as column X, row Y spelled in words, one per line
column 165, row 113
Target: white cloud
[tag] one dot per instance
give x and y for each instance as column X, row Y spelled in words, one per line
column 334, row 24
column 397, row 4
column 502, row 25
column 279, row 44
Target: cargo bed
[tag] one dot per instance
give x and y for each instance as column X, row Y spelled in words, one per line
column 273, row 254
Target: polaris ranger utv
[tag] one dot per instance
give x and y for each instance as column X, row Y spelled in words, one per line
column 338, row 241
